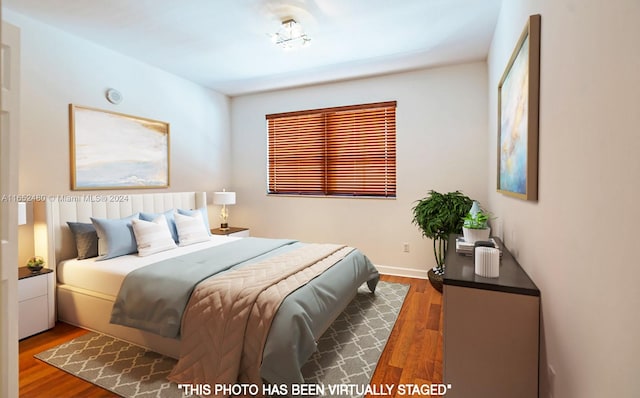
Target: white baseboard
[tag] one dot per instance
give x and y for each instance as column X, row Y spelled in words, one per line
column 399, row 271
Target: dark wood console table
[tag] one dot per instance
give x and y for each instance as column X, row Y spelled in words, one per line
column 491, row 329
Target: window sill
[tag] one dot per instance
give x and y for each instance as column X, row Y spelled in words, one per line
column 289, row 195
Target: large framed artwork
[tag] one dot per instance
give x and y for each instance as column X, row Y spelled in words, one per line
column 112, row 150
column 518, row 96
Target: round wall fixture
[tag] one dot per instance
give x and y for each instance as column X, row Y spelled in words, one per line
column 114, row 96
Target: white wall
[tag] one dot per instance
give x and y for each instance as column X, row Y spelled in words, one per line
column 441, row 136
column 59, row 69
column 578, row 242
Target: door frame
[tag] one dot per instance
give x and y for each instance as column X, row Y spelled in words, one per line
column 9, row 149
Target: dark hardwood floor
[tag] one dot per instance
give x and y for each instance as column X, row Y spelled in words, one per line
column 38, row 379
column 413, row 353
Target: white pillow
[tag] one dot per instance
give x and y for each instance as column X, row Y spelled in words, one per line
column 191, row 229
column 153, row 236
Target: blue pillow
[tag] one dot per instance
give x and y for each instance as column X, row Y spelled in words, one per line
column 115, row 236
column 205, row 216
column 86, row 239
column 171, row 222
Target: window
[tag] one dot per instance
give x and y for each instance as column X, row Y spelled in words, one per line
column 343, row 151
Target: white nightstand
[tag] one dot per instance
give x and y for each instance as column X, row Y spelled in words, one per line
column 232, row 231
column 36, row 305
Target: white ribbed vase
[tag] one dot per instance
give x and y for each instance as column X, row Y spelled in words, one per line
column 487, row 262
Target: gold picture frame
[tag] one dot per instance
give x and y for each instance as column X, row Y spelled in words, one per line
column 111, row 150
column 518, row 107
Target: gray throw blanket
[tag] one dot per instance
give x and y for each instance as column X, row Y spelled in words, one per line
column 153, row 298
column 228, row 318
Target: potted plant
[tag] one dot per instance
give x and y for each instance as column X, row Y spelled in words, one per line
column 439, row 215
column 35, row 264
column 476, row 224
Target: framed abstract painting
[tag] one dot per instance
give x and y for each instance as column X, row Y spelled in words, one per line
column 518, row 105
column 112, row 150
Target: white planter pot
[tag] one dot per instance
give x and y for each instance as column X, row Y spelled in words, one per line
column 472, row 235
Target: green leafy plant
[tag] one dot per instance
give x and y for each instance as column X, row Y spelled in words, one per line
column 35, row 262
column 439, row 215
column 479, row 220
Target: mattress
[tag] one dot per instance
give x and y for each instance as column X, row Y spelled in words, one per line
column 106, row 276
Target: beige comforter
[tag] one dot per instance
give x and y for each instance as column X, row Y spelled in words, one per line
column 228, row 317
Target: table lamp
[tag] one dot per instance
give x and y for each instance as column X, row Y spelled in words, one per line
column 224, row 198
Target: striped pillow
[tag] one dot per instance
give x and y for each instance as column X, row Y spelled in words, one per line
column 153, row 236
column 191, row 229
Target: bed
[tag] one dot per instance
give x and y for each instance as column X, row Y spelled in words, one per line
column 87, row 289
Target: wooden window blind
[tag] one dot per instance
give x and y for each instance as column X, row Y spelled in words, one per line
column 343, row 151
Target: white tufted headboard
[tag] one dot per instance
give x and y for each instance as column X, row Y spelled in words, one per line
column 58, row 209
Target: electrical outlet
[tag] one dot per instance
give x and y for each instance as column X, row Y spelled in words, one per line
column 405, row 247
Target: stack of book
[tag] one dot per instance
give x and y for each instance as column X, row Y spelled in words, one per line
column 466, row 248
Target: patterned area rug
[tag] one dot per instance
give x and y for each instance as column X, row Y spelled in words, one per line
column 348, row 352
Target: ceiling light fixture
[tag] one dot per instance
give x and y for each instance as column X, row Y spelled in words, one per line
column 290, row 36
